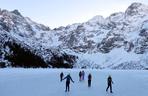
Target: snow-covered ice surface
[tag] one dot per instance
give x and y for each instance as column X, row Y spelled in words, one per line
column 45, row 82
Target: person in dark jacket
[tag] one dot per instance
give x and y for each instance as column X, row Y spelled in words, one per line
column 83, row 75
column 109, row 84
column 89, row 80
column 68, row 79
column 61, row 76
column 80, row 76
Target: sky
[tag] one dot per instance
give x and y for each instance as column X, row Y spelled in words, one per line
column 55, row 13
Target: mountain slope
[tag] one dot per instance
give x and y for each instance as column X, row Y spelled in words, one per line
column 119, row 41
column 21, row 45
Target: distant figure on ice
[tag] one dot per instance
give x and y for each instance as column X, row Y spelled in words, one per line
column 80, row 76
column 68, row 79
column 89, row 80
column 83, row 75
column 109, row 84
column 61, row 76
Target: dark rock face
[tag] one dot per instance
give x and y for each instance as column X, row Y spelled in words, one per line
column 108, row 44
column 16, row 12
column 4, row 26
column 143, row 32
column 128, row 46
column 65, row 61
column 133, row 9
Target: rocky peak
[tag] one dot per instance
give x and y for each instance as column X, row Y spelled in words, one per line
column 116, row 17
column 16, row 12
column 136, row 8
column 97, row 19
column 3, row 12
column 14, row 21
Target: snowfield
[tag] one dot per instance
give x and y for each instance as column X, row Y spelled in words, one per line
column 46, row 82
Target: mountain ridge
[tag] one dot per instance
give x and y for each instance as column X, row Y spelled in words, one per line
column 92, row 44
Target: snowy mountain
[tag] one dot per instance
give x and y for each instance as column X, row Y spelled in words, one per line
column 119, row 41
column 22, row 44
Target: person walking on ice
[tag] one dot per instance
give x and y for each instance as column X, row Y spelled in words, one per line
column 68, row 79
column 80, row 76
column 61, row 76
column 109, row 84
column 83, row 75
column 89, row 80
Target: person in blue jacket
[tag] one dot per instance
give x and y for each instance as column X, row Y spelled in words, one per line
column 68, row 79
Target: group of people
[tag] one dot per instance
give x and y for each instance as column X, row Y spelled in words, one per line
column 68, row 79
column 81, row 78
column 81, row 75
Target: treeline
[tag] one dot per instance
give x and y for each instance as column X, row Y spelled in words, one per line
column 22, row 57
